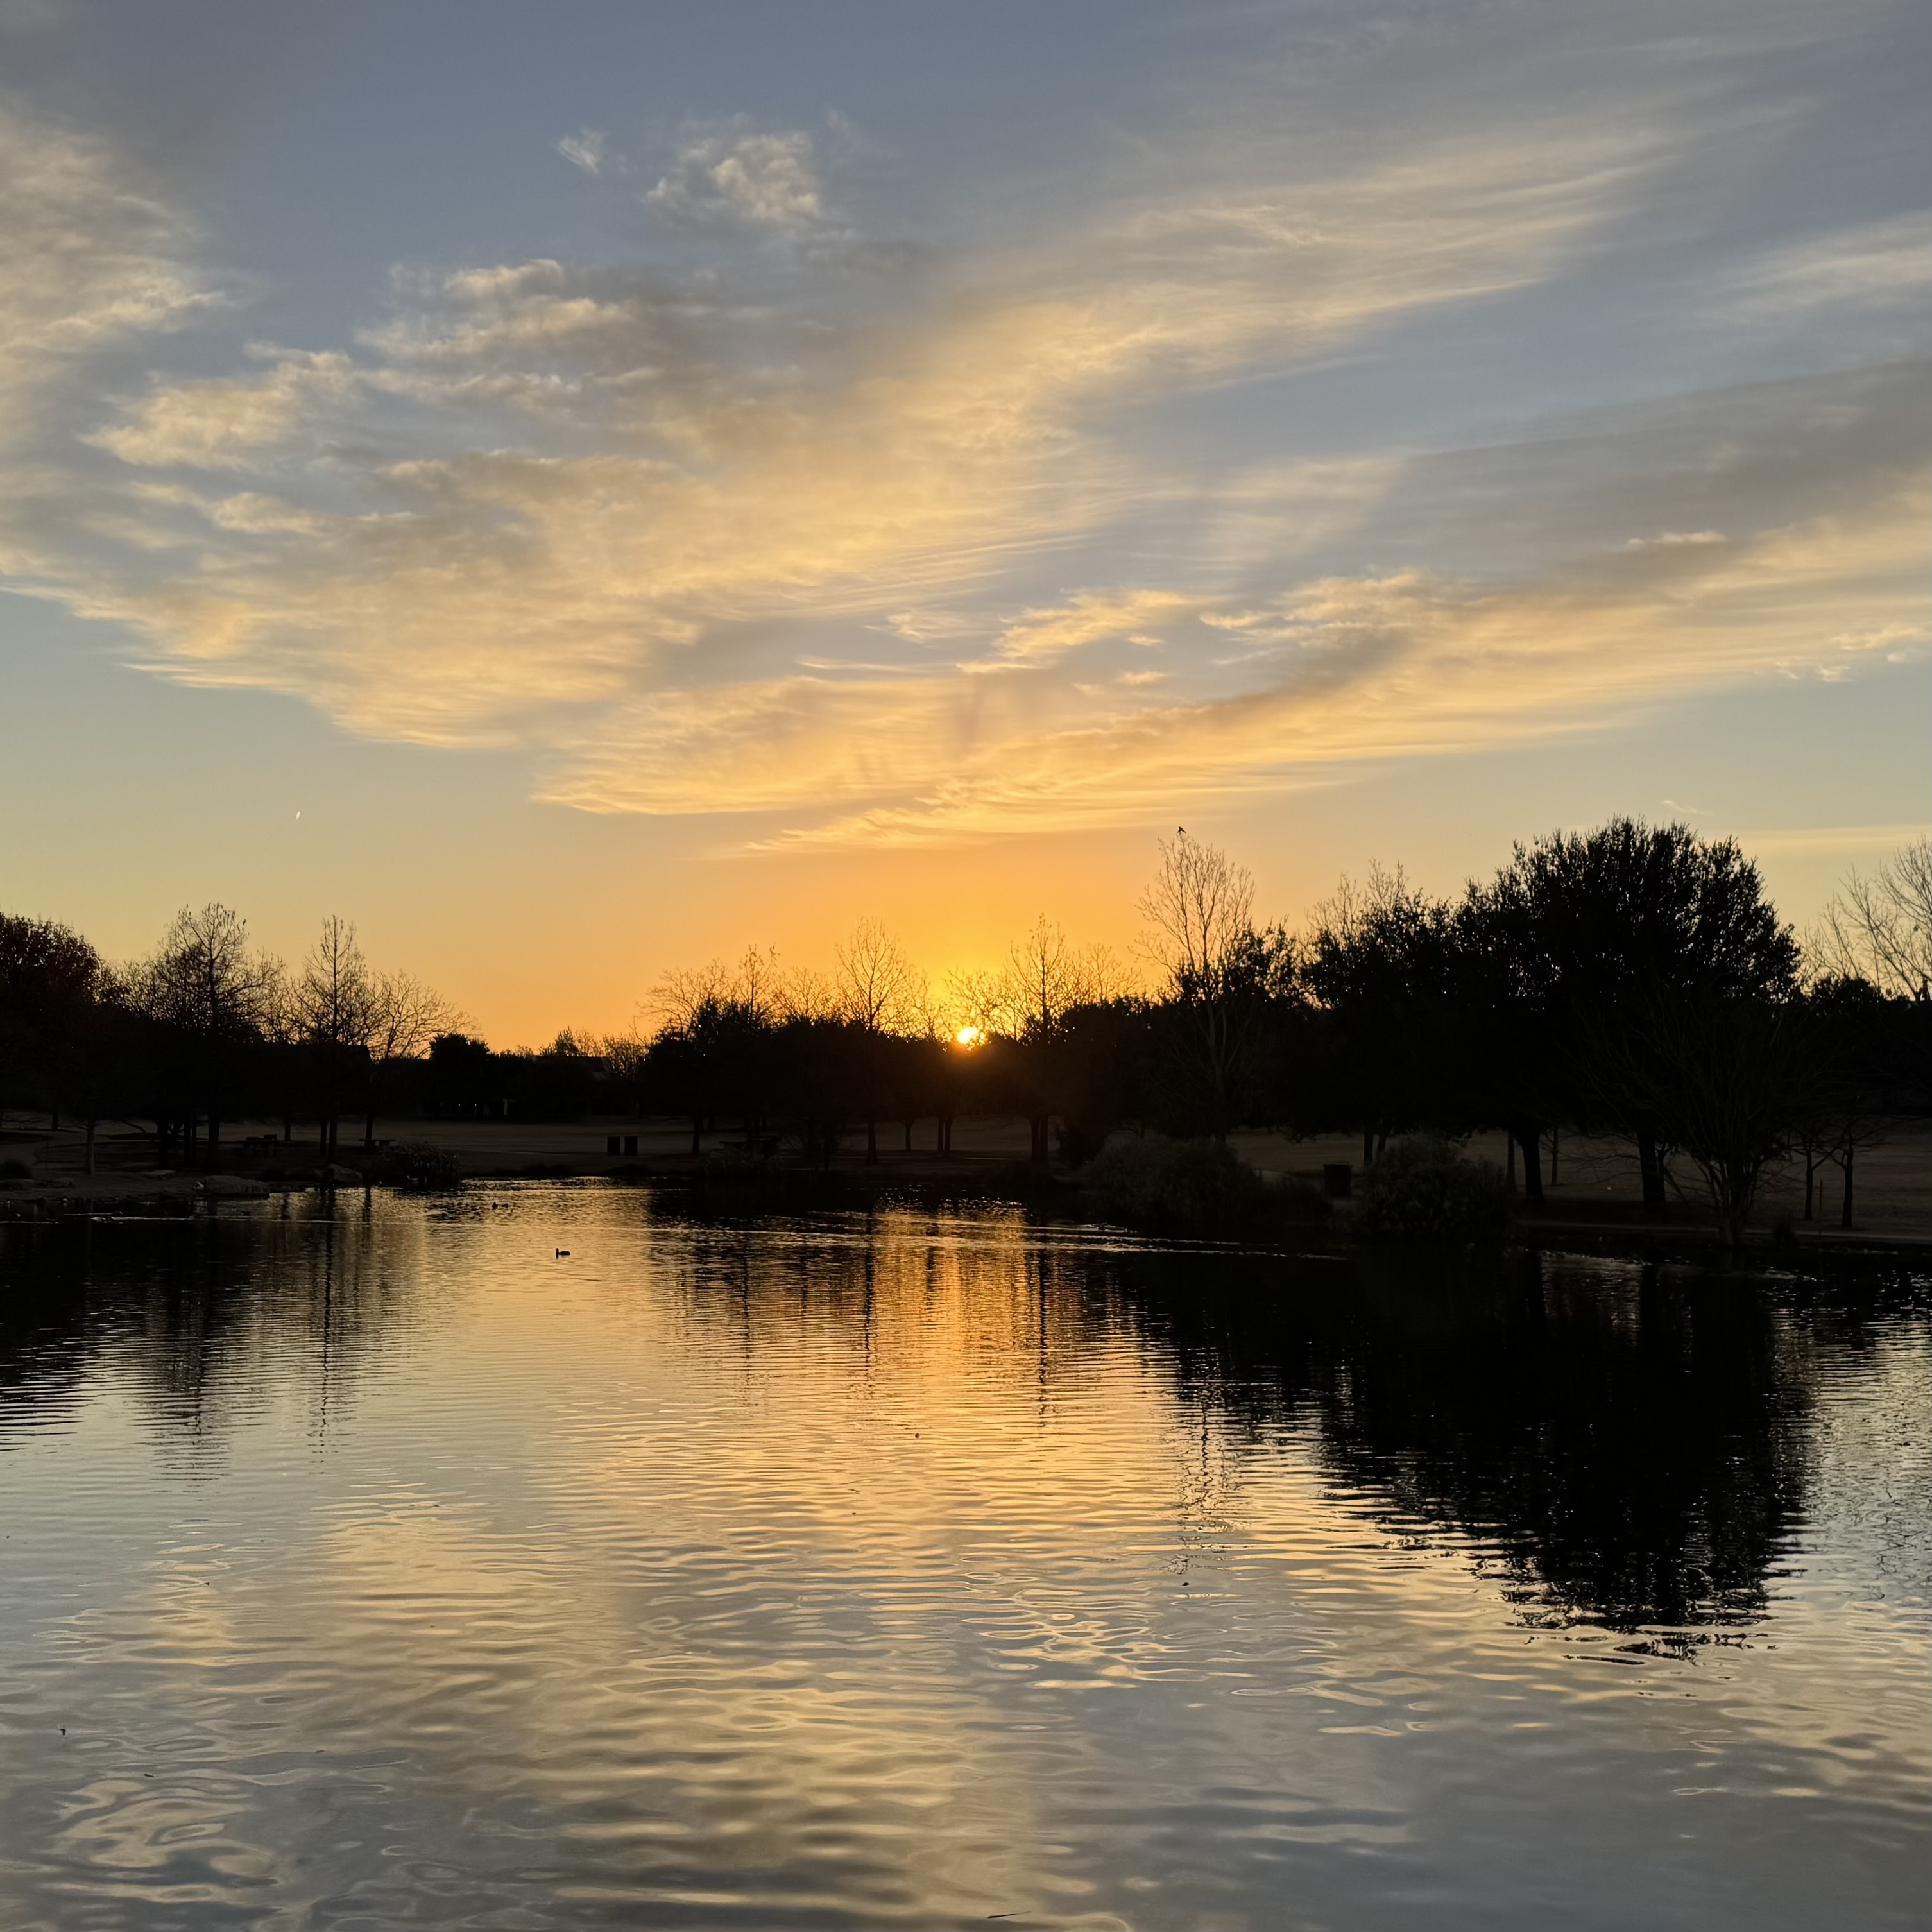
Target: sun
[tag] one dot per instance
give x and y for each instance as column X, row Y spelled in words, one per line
column 969, row 1037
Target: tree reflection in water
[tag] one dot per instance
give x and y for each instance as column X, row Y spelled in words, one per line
column 466, row 1561
column 1631, row 1441
column 1628, row 1444
column 208, row 1313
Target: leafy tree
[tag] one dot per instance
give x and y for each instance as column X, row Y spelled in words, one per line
column 49, row 979
column 626, row 1055
column 1587, row 939
column 1105, row 1058
column 462, row 1079
column 1381, row 962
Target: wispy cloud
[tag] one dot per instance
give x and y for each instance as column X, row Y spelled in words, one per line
column 1853, row 841
column 1092, row 618
column 776, row 535
column 746, row 468
column 94, row 260
column 585, row 149
column 1870, row 264
column 231, row 422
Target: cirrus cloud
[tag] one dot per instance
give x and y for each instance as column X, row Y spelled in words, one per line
column 910, row 559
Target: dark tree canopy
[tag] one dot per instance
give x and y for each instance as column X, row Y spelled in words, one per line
column 1634, row 977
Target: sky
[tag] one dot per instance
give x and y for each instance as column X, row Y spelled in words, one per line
column 580, row 489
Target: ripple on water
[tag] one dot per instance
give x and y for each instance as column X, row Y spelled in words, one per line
column 919, row 1568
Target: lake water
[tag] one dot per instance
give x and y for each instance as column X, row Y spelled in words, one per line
column 931, row 1568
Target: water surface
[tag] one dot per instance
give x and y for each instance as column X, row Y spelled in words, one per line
column 930, row 1568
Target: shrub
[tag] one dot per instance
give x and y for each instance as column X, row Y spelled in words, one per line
column 730, row 1180
column 1423, row 1191
column 1196, row 1187
column 15, row 1170
column 416, row 1164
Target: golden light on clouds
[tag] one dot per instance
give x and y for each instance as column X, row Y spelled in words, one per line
column 778, row 547
column 1357, row 442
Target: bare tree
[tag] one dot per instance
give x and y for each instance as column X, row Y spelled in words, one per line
column 1104, row 975
column 335, row 1004
column 1880, row 928
column 404, row 1015
column 758, row 983
column 282, row 1027
column 205, row 977
column 1220, row 970
column 877, row 987
column 1045, row 976
column 808, row 994
column 757, row 986
column 1728, row 1076
column 928, row 1013
column 974, row 1005
column 207, row 981
column 1041, row 980
column 1199, row 911
column 881, row 994
column 684, row 994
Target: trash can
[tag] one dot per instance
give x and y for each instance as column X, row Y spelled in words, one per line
column 630, row 1143
column 1336, row 1178
column 612, row 1144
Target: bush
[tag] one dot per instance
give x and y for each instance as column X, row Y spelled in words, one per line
column 1196, row 1187
column 731, row 1181
column 1423, row 1191
column 416, row 1164
column 15, row 1170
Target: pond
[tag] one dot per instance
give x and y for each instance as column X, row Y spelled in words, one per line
column 386, row 1565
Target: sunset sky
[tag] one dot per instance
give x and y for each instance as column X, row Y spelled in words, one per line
column 576, row 489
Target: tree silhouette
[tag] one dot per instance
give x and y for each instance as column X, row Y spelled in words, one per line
column 208, row 985
column 49, row 979
column 1220, row 971
column 1381, row 961
column 335, row 1001
column 881, row 994
column 1045, row 980
column 1880, row 929
column 1587, row 942
column 404, row 1015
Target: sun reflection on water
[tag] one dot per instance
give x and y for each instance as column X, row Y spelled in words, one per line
column 926, row 1565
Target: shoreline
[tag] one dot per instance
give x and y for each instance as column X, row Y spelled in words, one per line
column 185, row 1196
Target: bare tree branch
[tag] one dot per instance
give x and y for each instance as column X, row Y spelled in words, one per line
column 1880, row 928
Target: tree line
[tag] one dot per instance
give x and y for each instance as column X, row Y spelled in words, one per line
column 1633, row 979
column 206, row 1031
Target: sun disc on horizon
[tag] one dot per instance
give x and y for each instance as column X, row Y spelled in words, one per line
column 969, row 1037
